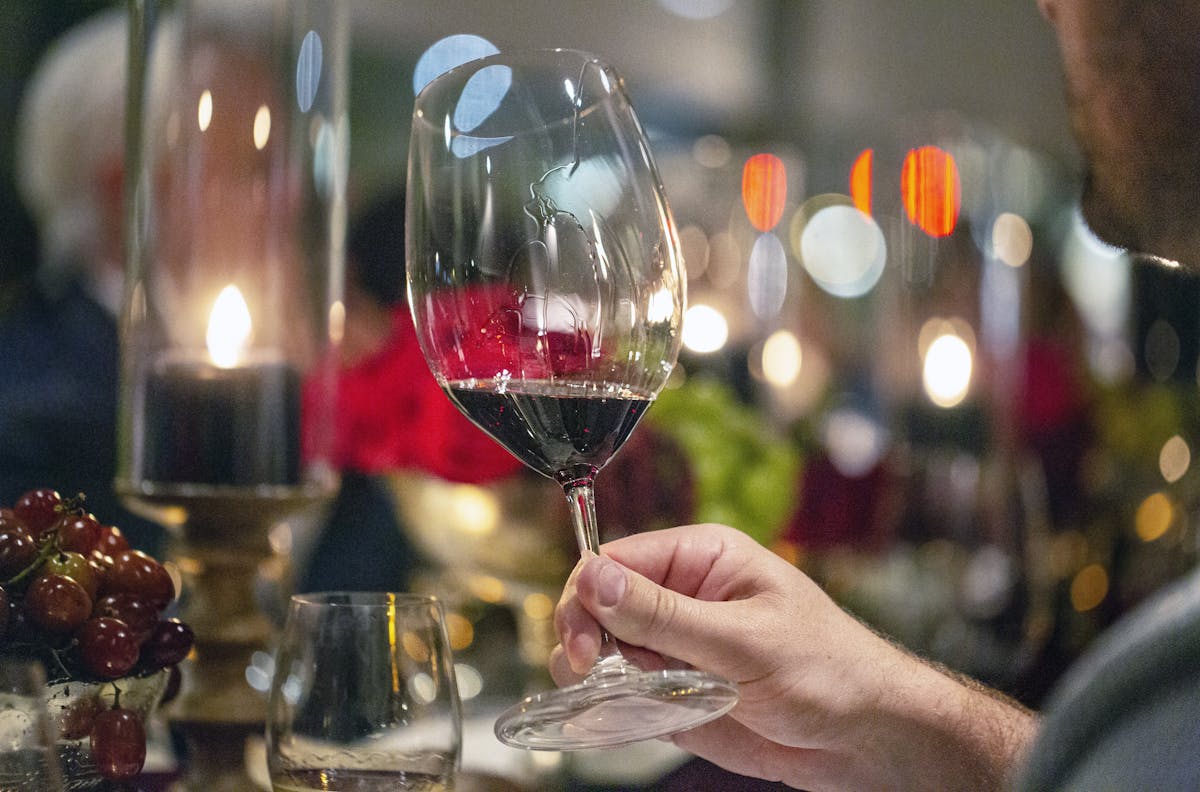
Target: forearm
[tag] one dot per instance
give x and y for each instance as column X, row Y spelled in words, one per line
column 880, row 718
column 951, row 732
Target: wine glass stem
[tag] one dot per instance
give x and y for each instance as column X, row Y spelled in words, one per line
column 582, row 500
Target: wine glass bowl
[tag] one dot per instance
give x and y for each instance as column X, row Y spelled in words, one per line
column 547, row 290
column 566, row 268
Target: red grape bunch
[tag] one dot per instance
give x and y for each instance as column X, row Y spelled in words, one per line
column 76, row 596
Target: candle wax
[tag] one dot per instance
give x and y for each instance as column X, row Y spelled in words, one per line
column 223, row 426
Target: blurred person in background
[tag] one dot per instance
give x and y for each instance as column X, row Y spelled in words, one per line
column 828, row 704
column 58, row 332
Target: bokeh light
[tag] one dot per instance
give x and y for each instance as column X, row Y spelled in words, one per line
column 488, row 588
column 987, row 582
column 661, row 307
column 416, row 647
column 931, row 190
column 854, row 441
column 538, row 606
column 204, row 110
column 781, row 358
column 712, row 151
column 468, row 681
column 308, row 70
column 705, row 330
column 807, row 392
column 459, row 630
column 766, row 276
column 1162, row 350
column 938, row 326
column 481, row 96
column 1089, row 588
column 764, row 190
column 1174, row 459
column 841, row 248
column 946, row 372
column 860, row 180
column 1012, row 239
column 445, row 54
column 262, row 127
column 474, row 511
column 1154, row 517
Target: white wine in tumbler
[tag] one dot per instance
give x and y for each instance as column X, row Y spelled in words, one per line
column 359, row 781
column 364, row 697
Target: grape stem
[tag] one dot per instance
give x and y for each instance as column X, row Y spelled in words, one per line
column 61, row 665
column 49, row 548
column 50, row 542
column 72, row 505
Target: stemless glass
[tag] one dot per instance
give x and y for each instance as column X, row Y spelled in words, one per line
column 28, row 755
column 547, row 290
column 364, row 697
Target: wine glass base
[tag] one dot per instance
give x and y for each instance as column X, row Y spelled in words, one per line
column 616, row 709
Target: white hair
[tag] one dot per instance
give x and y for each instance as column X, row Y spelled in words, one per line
column 70, row 127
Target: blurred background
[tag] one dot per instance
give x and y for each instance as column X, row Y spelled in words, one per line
column 908, row 367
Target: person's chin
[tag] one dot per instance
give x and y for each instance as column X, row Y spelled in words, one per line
column 1149, row 231
column 1103, row 221
column 1163, row 250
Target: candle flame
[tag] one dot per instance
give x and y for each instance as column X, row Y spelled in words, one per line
column 228, row 328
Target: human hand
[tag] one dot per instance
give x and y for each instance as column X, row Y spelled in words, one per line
column 825, row 703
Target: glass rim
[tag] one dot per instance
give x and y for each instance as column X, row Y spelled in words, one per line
column 582, row 60
column 521, row 55
column 363, row 599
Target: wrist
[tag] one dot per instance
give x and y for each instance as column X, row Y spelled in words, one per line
column 953, row 732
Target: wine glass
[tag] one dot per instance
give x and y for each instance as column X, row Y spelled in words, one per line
column 547, row 289
column 364, row 695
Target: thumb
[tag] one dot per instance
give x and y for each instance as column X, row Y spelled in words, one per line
column 640, row 612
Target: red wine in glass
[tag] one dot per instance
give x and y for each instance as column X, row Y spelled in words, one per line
column 553, row 427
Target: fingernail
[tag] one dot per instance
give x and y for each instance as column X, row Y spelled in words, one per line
column 610, row 583
column 582, row 651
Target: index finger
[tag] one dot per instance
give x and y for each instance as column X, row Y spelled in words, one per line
column 708, row 562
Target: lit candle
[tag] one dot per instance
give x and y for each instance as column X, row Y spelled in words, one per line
column 226, row 416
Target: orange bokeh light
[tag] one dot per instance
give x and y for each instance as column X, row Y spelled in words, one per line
column 931, row 190
column 860, row 181
column 764, row 190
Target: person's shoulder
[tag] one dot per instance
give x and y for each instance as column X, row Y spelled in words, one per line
column 23, row 309
column 35, row 321
column 1127, row 715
